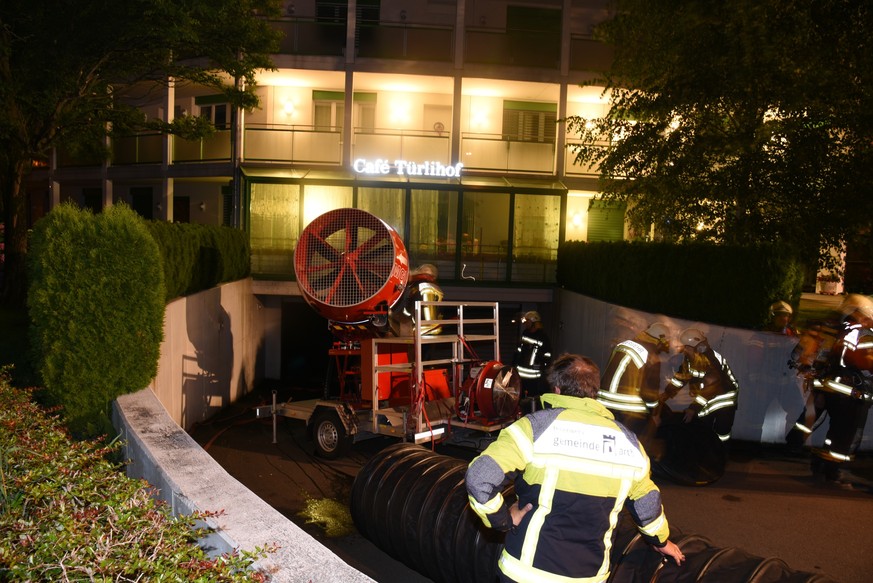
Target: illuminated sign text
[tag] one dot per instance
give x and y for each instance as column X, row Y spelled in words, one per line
column 406, row 168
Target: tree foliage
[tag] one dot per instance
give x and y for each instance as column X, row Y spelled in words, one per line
column 70, row 72
column 747, row 121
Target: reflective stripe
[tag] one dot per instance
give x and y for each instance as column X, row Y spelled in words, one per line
column 836, row 386
column 528, row 373
column 636, row 351
column 716, row 403
column 622, row 402
column 653, row 527
column 803, row 428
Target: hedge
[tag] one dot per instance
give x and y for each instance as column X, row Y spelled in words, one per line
column 198, row 257
column 728, row 285
column 96, row 301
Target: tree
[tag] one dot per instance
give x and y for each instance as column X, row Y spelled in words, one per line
column 745, row 121
column 68, row 70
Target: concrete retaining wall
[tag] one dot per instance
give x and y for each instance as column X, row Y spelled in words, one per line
column 188, row 479
column 770, row 396
column 210, row 353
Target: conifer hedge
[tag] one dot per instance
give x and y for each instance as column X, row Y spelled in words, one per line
column 730, row 285
column 96, row 298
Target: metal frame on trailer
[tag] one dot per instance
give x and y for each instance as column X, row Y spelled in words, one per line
column 466, row 329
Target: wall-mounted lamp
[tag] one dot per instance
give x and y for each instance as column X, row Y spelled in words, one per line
column 403, row 16
column 159, row 206
column 202, row 206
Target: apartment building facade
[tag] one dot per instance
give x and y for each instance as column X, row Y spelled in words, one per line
column 442, row 117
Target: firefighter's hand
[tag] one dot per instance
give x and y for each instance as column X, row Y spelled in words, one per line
column 689, row 416
column 518, row 513
column 671, row 550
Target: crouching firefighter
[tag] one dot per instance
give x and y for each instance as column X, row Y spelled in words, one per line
column 575, row 469
column 711, row 384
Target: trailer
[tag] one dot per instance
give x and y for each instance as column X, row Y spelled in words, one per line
column 442, row 381
column 425, row 388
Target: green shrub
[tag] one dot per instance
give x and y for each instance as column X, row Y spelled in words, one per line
column 719, row 284
column 198, row 257
column 67, row 514
column 96, row 302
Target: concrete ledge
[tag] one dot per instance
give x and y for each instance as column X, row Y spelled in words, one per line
column 188, row 479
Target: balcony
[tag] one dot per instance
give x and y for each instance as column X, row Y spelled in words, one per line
column 215, row 148
column 495, row 152
column 416, row 145
column 515, row 48
column 138, row 149
column 309, row 37
column 293, row 144
column 406, row 41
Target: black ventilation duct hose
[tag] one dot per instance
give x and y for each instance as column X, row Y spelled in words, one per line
column 412, row 504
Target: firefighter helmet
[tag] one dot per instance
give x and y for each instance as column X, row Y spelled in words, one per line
column 780, row 307
column 857, row 303
column 425, row 271
column 531, row 316
column 692, row 337
column 658, row 331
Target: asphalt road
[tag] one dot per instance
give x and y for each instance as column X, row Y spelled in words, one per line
column 766, row 504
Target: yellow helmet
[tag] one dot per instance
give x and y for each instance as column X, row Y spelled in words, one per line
column 531, row 316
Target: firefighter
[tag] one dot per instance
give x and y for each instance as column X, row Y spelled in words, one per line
column 533, row 355
column 631, row 381
column 780, row 319
column 711, row 385
column 575, row 468
column 422, row 286
column 847, row 389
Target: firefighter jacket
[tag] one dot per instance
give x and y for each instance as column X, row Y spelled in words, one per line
column 533, row 355
column 578, row 468
column 851, row 368
column 632, row 378
column 711, row 383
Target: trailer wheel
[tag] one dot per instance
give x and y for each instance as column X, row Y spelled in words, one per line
column 329, row 435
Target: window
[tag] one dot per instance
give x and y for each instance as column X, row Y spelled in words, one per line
column 529, row 121
column 434, row 230
column 485, row 235
column 328, row 115
column 389, row 204
column 141, row 201
column 273, row 222
column 218, row 114
column 329, row 109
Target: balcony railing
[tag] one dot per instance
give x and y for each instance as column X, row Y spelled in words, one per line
column 573, row 169
column 210, row 149
column 519, row 48
column 494, row 152
column 138, row 149
column 415, row 145
column 309, row 37
column 587, row 54
column 293, row 143
column 387, row 40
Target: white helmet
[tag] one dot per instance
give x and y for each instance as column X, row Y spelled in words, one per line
column 658, row 331
column 857, row 303
column 692, row 337
column 780, row 307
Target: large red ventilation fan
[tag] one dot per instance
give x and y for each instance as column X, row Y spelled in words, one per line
column 351, row 266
